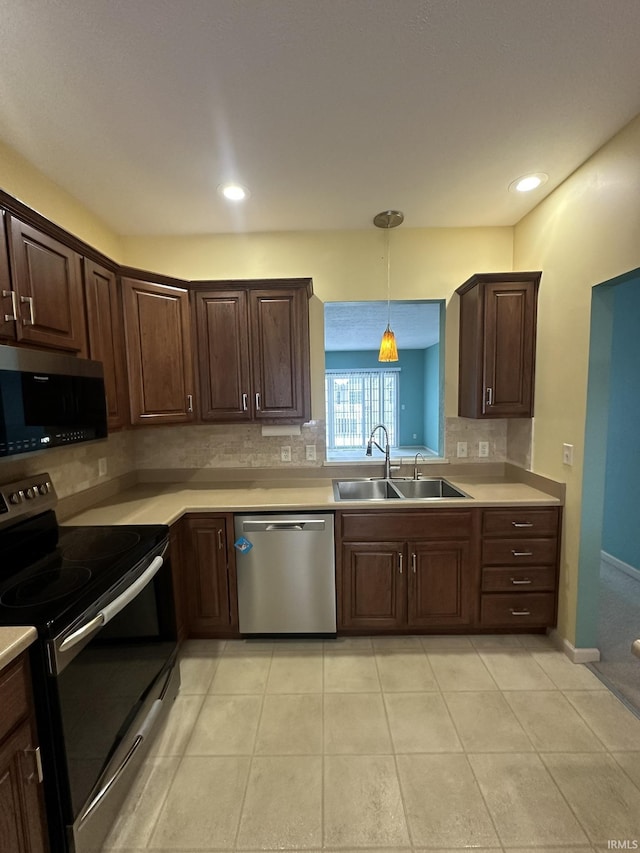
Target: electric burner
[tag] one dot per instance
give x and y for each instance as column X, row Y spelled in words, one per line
column 45, row 587
column 87, row 544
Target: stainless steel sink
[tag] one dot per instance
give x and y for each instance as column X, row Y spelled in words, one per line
column 364, row 490
column 377, row 490
column 428, row 489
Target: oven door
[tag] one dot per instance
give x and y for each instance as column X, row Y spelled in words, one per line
column 115, row 681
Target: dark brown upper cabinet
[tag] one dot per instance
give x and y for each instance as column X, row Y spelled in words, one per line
column 253, row 350
column 8, row 305
column 159, row 359
column 106, row 338
column 48, row 302
column 497, row 345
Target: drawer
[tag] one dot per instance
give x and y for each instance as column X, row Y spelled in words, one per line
column 372, row 526
column 520, row 522
column 14, row 695
column 520, row 610
column 519, row 552
column 496, row 579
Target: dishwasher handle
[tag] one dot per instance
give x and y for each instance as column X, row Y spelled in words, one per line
column 296, row 524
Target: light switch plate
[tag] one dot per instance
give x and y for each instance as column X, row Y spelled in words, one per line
column 310, row 452
column 567, row 454
column 483, row 449
column 102, row 466
column 462, row 449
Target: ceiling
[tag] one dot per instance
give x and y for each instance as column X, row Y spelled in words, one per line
column 356, row 326
column 327, row 110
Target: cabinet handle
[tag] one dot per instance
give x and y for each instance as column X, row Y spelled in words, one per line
column 257, row 402
column 38, row 759
column 245, row 402
column 489, row 397
column 32, row 319
column 517, row 582
column 189, row 402
column 413, row 562
column 520, row 612
column 522, row 523
column 522, row 553
column 400, row 562
column 220, row 545
column 14, row 307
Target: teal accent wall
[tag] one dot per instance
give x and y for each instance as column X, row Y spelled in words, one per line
column 598, row 422
column 622, row 480
column 411, row 384
column 432, row 397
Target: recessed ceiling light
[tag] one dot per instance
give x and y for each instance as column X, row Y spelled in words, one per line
column 526, row 183
column 233, row 192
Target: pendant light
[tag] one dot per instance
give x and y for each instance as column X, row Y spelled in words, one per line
column 388, row 219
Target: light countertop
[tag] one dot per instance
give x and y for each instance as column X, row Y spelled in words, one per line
column 13, row 641
column 158, row 503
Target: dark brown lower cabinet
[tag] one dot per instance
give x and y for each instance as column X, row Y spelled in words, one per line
column 208, row 576
column 22, row 817
column 408, row 570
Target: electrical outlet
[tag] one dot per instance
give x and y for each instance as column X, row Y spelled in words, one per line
column 102, row 466
column 285, row 454
column 462, row 449
column 567, row 454
column 483, row 449
column 310, row 452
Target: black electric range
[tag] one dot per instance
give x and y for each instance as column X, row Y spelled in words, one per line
column 103, row 666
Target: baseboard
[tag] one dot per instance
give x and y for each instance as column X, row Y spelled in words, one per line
column 620, row 565
column 575, row 655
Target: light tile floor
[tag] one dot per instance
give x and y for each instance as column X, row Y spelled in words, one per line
column 389, row 744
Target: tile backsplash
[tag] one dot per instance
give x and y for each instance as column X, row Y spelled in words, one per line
column 75, row 469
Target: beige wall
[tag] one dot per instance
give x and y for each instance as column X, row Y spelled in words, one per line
column 21, row 180
column 586, row 232
column 344, row 265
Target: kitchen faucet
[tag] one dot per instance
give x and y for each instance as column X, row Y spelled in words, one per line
column 386, row 450
column 416, row 473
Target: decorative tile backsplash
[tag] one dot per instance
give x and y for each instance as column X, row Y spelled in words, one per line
column 75, row 469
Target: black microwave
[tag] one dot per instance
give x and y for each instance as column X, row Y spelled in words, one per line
column 49, row 400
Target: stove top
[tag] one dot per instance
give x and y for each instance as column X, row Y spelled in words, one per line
column 51, row 574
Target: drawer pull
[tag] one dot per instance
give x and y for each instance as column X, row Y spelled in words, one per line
column 489, row 397
column 517, row 582
column 522, row 553
column 520, row 612
column 400, row 562
column 522, row 523
column 245, row 402
column 14, row 307
column 413, row 562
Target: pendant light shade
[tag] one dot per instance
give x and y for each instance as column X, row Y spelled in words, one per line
column 388, row 347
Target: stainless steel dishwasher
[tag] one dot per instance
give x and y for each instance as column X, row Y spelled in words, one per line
column 286, row 573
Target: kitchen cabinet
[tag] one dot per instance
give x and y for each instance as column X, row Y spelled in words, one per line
column 406, row 570
column 7, row 295
column 253, row 351
column 177, row 579
column 520, row 554
column 22, row 816
column 46, row 281
column 497, row 345
column 209, row 578
column 106, row 338
column 159, row 357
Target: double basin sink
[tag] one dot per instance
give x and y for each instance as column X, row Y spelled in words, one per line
column 382, row 490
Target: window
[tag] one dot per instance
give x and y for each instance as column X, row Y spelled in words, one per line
column 357, row 400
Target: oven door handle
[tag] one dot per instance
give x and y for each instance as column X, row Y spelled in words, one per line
column 114, row 607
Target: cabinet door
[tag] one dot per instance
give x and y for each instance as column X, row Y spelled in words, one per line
column 373, row 585
column 106, row 338
column 8, row 305
column 48, row 283
column 177, row 580
column 21, row 807
column 159, row 361
column 226, row 393
column 439, row 584
column 509, row 327
column 210, row 603
column 279, row 322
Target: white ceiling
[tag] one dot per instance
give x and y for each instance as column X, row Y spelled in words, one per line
column 350, row 326
column 328, row 110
